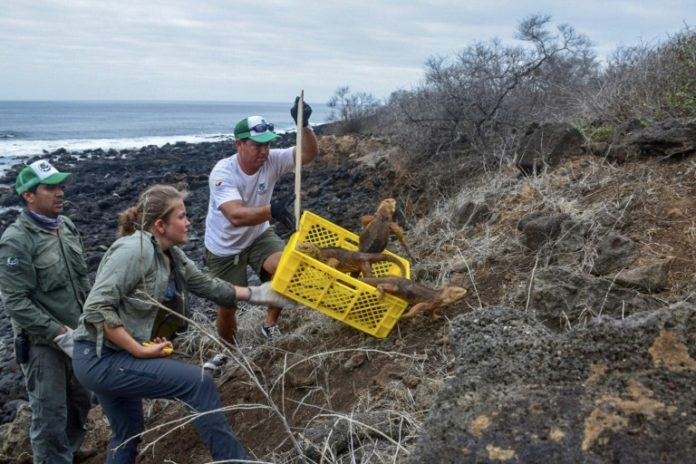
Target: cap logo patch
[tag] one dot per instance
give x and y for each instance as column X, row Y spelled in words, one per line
column 43, row 169
column 217, row 182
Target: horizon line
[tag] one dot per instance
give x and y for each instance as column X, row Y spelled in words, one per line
column 90, row 100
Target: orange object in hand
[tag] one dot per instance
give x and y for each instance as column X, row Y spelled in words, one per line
column 167, row 349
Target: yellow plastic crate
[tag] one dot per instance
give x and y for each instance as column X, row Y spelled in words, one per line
column 337, row 294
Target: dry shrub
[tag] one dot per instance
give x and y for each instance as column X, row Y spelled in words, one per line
column 475, row 103
column 648, row 82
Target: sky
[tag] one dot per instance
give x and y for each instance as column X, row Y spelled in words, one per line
column 228, row 50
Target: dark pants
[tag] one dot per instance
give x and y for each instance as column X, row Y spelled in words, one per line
column 59, row 406
column 121, row 381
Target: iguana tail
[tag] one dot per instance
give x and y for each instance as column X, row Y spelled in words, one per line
column 392, row 259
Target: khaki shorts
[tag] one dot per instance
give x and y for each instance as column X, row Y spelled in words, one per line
column 233, row 269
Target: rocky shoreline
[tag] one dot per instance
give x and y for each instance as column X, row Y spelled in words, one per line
column 107, row 182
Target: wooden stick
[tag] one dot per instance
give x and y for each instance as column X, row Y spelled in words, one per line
column 298, row 159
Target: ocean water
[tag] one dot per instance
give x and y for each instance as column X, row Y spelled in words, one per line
column 30, row 128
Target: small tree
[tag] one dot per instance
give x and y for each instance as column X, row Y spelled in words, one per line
column 352, row 109
column 476, row 100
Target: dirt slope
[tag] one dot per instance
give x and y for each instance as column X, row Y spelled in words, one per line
column 323, row 377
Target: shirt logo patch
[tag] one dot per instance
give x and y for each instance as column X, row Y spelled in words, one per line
column 12, row 262
column 261, row 188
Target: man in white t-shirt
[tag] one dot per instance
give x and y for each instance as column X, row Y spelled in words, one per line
column 237, row 230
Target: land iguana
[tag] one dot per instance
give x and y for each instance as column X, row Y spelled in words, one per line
column 346, row 260
column 375, row 235
column 421, row 297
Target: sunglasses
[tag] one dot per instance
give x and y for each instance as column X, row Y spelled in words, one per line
column 262, row 127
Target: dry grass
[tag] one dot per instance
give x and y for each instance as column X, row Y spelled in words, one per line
column 646, row 201
column 366, row 442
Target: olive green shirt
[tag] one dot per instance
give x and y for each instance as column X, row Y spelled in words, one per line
column 43, row 278
column 132, row 279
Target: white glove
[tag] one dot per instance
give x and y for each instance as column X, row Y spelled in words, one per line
column 65, row 341
column 264, row 294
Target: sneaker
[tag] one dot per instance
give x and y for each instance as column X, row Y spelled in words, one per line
column 270, row 332
column 216, row 363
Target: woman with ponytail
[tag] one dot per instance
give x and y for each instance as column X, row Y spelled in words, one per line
column 141, row 274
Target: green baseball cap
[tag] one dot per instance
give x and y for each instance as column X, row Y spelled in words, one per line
column 255, row 128
column 39, row 172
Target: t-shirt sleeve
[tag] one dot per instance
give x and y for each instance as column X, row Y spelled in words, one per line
column 223, row 189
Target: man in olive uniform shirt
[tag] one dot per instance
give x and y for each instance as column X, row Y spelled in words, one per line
column 43, row 281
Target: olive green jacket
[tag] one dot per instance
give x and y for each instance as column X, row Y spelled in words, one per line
column 43, row 278
column 132, row 279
